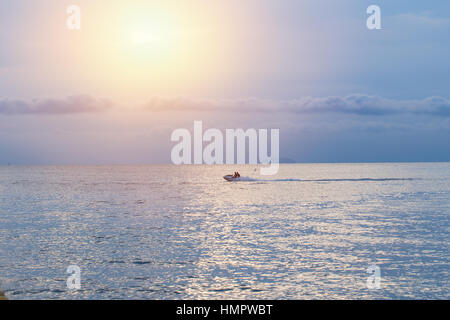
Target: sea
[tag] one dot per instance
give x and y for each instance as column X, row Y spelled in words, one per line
column 312, row 231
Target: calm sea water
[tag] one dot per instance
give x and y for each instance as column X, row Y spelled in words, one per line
column 168, row 232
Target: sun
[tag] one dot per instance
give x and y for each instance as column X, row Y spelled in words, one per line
column 151, row 33
column 144, row 37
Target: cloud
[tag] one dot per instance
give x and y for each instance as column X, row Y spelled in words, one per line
column 68, row 105
column 357, row 104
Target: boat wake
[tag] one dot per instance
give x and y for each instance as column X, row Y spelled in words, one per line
column 249, row 179
column 359, row 179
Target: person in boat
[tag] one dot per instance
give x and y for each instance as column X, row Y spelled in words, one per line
column 236, row 175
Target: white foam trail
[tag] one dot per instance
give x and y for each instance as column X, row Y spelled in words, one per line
column 324, row 180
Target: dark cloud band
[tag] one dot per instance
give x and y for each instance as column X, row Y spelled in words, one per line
column 69, row 105
column 358, row 104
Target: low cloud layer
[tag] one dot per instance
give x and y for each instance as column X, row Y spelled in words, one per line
column 69, row 105
column 358, row 104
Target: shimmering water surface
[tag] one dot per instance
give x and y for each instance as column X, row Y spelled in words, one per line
column 168, row 232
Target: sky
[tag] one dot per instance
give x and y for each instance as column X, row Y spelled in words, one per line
column 113, row 91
